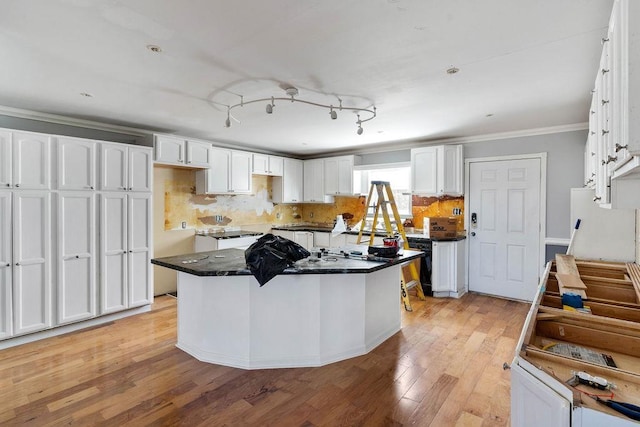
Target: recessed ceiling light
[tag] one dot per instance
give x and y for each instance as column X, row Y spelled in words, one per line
column 86, row 95
column 452, row 70
column 154, row 48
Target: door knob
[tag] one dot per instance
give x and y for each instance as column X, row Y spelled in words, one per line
column 473, row 233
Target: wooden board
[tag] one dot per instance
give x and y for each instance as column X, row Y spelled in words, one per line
column 568, row 276
column 566, row 264
column 634, row 274
column 570, row 281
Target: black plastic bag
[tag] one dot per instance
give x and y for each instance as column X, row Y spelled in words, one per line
column 270, row 255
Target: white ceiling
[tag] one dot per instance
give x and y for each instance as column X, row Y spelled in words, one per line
column 524, row 64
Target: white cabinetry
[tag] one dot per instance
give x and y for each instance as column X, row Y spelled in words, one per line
column 31, row 261
column 447, row 277
column 313, row 182
column 31, row 161
column 6, row 174
column 325, row 239
column 614, row 123
column 76, row 256
column 229, row 172
column 125, row 168
column 125, row 251
column 264, row 164
column 171, row 150
column 76, row 163
column 288, row 188
column 338, row 175
column 303, row 238
column 437, row 170
column 6, row 266
column 209, row 243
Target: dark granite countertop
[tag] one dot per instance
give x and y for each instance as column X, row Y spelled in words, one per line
column 231, row 262
column 229, row 234
column 327, row 229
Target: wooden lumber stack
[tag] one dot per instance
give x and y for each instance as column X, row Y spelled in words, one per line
column 568, row 276
column 633, row 270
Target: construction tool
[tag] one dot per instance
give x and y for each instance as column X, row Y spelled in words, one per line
column 573, row 236
column 383, row 200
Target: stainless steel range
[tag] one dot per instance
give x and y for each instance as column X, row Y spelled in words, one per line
column 421, row 243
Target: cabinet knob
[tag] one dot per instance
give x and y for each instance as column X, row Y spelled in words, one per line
column 130, row 188
column 473, row 233
column 8, row 185
column 8, row 265
column 17, row 263
column 605, row 70
column 593, row 112
column 604, row 132
column 611, row 158
column 17, row 185
column 597, row 198
column 605, row 101
column 604, row 40
column 91, row 187
column 77, row 256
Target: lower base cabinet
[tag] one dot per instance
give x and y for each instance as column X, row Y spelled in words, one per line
column 447, row 277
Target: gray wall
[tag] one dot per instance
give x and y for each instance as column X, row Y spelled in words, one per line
column 79, row 132
column 565, row 169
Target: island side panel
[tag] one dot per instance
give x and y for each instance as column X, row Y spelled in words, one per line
column 213, row 318
column 383, row 308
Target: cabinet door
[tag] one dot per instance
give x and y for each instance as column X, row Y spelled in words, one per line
column 276, row 165
column 322, row 239
column 6, row 304
column 240, row 172
column 76, row 164
column 198, row 154
column 260, row 164
column 140, row 169
column 314, row 180
column 424, row 162
column 32, row 261
column 169, row 150
column 304, row 239
column 451, row 170
column 76, row 256
column 443, row 266
column 113, row 167
column 140, row 250
column 292, row 185
column 6, row 180
column 31, row 159
column 113, row 252
column 216, row 178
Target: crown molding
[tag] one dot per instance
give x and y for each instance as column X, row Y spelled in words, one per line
column 70, row 121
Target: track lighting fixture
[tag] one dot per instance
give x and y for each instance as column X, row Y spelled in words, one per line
column 292, row 92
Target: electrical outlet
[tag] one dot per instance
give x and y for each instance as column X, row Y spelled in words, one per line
column 310, row 214
column 184, row 224
column 278, row 215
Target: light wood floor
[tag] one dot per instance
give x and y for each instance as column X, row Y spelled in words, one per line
column 444, row 368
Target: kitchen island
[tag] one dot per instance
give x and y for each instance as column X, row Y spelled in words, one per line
column 312, row 314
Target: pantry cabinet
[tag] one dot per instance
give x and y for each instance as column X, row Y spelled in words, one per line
column 76, row 254
column 125, row 251
column 76, row 163
column 229, row 173
column 447, row 276
column 125, row 168
column 176, row 151
column 6, row 266
column 31, row 161
column 31, row 261
column 264, row 164
column 338, row 175
column 437, row 170
column 288, row 187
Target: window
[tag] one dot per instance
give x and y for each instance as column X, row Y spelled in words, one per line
column 397, row 174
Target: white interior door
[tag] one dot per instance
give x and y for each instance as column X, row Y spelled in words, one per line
column 504, row 227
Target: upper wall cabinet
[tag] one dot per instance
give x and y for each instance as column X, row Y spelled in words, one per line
column 264, row 164
column 288, row 188
column 313, row 181
column 338, row 175
column 613, row 145
column 171, row 150
column 76, row 163
column 437, row 170
column 229, row 172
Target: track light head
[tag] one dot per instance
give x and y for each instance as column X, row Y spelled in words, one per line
column 360, row 130
column 269, row 108
column 227, row 123
column 333, row 114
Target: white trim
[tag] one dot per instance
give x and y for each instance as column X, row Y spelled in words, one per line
column 543, row 200
column 70, row 121
column 556, row 241
column 399, row 146
column 382, row 166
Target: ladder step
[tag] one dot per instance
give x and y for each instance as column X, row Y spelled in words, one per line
column 411, row 284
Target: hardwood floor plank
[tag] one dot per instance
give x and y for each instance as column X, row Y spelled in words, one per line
column 443, row 368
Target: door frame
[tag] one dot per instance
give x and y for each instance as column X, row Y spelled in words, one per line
column 543, row 202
